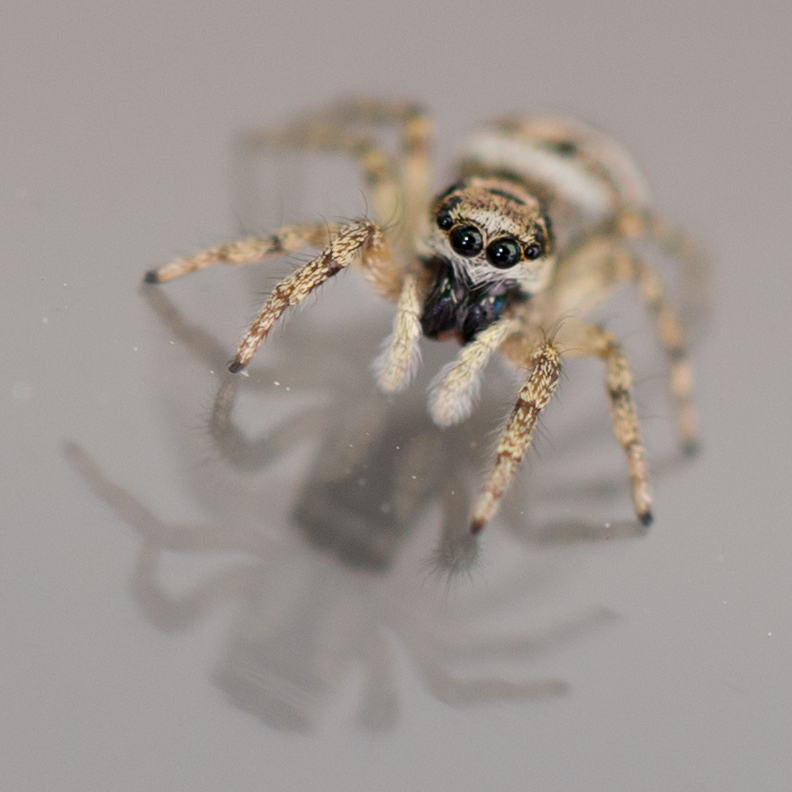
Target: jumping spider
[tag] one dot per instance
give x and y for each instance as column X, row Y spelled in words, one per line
column 535, row 232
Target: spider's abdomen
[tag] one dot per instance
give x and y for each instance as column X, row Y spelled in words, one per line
column 453, row 309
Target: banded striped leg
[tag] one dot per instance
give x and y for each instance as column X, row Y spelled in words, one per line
column 248, row 250
column 682, row 247
column 516, row 437
column 378, row 171
column 360, row 238
column 416, row 139
column 399, row 360
column 586, row 278
column 672, row 338
column 400, row 190
column 374, row 112
column 455, row 390
column 587, row 339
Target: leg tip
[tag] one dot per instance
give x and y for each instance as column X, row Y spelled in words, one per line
column 476, row 527
column 691, row 449
column 646, row 519
column 151, row 277
column 235, row 367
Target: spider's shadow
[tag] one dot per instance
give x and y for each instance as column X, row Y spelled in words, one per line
column 351, row 570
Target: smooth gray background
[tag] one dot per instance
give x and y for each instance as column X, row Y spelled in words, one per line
column 114, row 156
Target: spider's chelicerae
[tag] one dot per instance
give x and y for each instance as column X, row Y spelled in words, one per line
column 536, row 230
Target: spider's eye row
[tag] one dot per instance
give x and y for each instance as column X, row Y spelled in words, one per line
column 466, row 240
column 533, row 251
column 504, row 252
column 445, row 221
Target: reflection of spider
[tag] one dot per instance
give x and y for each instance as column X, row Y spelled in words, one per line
column 534, row 233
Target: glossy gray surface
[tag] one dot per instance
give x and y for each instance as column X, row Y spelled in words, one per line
column 167, row 621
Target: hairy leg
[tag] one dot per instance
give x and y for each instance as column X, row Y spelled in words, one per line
column 248, row 251
column 587, row 277
column 545, row 369
column 580, row 338
column 455, row 389
column 416, row 134
column 397, row 364
column 672, row 338
column 695, row 295
column 360, row 240
column 400, row 190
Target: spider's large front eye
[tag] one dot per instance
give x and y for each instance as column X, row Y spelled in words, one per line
column 466, row 240
column 504, row 252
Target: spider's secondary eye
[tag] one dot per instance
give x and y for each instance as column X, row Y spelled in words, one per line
column 504, row 252
column 566, row 148
column 445, row 221
column 467, row 240
column 533, row 251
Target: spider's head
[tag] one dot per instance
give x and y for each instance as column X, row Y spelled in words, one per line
column 492, row 230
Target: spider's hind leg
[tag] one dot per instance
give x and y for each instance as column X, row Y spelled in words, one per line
column 672, row 337
column 399, row 186
column 682, row 248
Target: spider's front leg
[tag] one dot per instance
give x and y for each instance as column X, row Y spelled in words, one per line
column 516, row 437
column 360, row 240
column 248, row 251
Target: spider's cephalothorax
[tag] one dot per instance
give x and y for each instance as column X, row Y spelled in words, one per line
column 536, row 231
column 491, row 248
